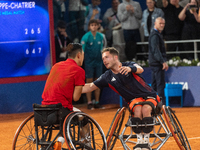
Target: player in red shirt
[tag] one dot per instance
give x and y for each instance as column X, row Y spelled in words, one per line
column 66, row 79
column 65, row 82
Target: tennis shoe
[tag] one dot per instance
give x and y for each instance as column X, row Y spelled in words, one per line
column 90, row 106
column 98, row 106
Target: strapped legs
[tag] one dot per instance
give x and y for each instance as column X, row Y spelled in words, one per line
column 148, row 122
column 143, row 123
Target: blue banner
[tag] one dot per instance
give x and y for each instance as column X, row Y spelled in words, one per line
column 186, row 76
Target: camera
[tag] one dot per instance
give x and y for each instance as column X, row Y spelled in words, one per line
column 193, row 7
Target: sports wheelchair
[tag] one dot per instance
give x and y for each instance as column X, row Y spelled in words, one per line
column 40, row 130
column 165, row 124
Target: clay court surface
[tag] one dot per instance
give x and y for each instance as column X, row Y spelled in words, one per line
column 188, row 116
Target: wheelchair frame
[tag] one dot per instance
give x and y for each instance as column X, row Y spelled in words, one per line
column 38, row 133
column 165, row 124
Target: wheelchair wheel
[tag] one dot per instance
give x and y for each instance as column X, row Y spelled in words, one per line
column 25, row 135
column 176, row 129
column 82, row 132
column 115, row 128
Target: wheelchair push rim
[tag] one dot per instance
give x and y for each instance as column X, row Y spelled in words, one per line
column 115, row 128
column 94, row 139
column 176, row 129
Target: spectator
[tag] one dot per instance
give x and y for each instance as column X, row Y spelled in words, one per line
column 191, row 28
column 61, row 41
column 77, row 13
column 110, row 19
column 129, row 13
column 157, row 58
column 173, row 26
column 92, row 43
column 93, row 13
column 149, row 16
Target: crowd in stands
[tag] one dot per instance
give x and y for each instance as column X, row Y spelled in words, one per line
column 126, row 23
column 182, row 22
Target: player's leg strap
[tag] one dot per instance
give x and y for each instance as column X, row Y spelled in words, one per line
column 150, row 104
column 148, row 122
column 136, row 121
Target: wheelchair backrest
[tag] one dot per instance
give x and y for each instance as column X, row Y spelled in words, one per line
column 46, row 115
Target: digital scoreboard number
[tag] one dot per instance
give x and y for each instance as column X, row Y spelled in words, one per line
column 24, row 38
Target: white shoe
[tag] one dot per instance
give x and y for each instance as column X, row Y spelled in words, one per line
column 139, row 142
column 146, row 138
column 61, row 139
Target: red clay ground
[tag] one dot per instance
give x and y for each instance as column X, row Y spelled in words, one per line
column 188, row 116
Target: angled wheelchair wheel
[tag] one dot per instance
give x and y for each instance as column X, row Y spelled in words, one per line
column 176, row 129
column 115, row 128
column 82, row 132
column 25, row 135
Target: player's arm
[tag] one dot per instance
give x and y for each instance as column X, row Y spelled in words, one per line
column 89, row 87
column 77, row 92
column 139, row 69
column 135, row 68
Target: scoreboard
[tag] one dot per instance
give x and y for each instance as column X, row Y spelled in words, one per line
column 24, row 38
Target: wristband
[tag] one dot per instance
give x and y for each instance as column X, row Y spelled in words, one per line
column 133, row 68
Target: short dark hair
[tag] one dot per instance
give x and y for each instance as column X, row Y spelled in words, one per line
column 73, row 49
column 112, row 51
column 93, row 21
column 62, row 24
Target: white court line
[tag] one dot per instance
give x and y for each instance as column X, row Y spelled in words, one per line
column 194, row 138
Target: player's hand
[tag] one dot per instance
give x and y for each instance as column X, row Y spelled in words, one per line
column 165, row 66
column 124, row 70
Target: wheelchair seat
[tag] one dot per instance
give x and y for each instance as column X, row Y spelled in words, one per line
column 46, row 115
column 47, row 120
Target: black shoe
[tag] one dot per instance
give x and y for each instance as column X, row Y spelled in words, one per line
column 98, row 106
column 137, row 147
column 90, row 106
